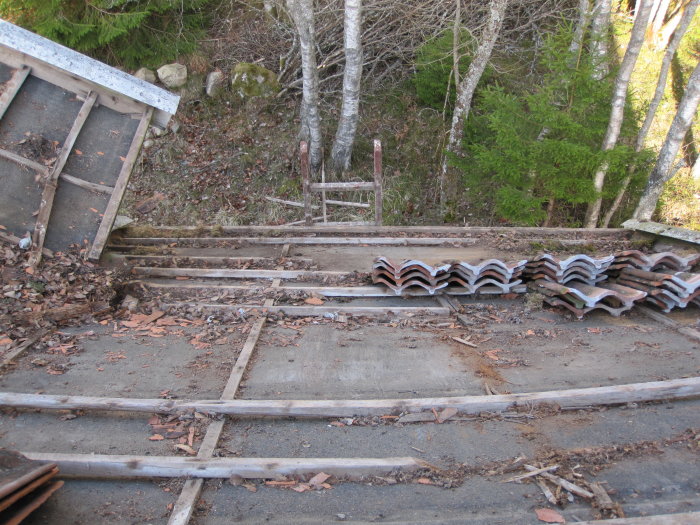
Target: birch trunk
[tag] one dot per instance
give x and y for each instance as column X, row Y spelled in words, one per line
column 679, row 127
column 302, row 14
column 467, row 86
column 456, row 42
column 352, row 76
column 599, row 37
column 657, row 22
column 584, row 14
column 673, row 45
column 618, row 107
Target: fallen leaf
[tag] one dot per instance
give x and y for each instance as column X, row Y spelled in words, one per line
column 315, row 301
column 186, row 448
column 93, row 210
column 424, row 481
column 301, row 487
column 100, row 153
column 29, row 270
column 491, row 354
column 594, row 330
column 549, row 516
column 250, row 487
column 280, row 483
column 319, row 479
column 446, row 414
column 123, row 159
column 156, row 437
column 78, row 152
column 5, row 341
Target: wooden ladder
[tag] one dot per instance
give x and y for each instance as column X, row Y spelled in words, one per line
column 323, row 187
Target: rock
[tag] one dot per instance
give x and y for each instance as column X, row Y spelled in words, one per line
column 147, row 144
column 252, row 80
column 120, row 221
column 25, row 243
column 173, row 75
column 146, row 74
column 215, row 81
column 174, row 125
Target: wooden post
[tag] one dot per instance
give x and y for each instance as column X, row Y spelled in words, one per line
column 120, row 187
column 47, row 197
column 12, row 88
column 378, row 196
column 305, row 175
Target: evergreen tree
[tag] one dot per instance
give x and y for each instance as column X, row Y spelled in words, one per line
column 126, row 32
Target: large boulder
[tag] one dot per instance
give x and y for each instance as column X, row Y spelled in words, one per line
column 252, row 80
column 215, row 81
column 173, row 75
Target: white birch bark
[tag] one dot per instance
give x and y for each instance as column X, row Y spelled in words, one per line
column 673, row 45
column 618, row 106
column 456, row 41
column 352, row 76
column 658, row 20
column 679, row 127
column 302, row 13
column 599, row 37
column 584, row 14
column 466, row 88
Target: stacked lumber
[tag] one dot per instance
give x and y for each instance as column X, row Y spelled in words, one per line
column 24, row 485
column 471, row 278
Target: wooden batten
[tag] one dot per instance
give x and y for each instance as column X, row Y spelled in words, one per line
column 573, row 398
column 120, row 187
column 12, row 87
column 47, row 197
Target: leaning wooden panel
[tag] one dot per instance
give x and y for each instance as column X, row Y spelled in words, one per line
column 120, row 187
column 113, row 466
column 573, row 398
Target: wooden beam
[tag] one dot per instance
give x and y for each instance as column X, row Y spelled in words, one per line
column 12, row 87
column 182, row 511
column 353, row 241
column 327, row 291
column 40, row 168
column 682, row 518
column 17, row 351
column 378, row 193
column 231, row 273
column 115, row 200
column 213, row 259
column 574, row 398
column 317, row 311
column 306, row 181
column 667, row 321
column 341, row 186
column 47, row 197
column 113, row 466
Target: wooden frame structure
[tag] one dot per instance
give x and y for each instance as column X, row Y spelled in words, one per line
column 40, row 67
column 322, row 187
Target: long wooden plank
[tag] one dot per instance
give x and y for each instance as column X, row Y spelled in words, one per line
column 113, row 466
column 327, row 291
column 341, row 186
column 47, row 197
column 313, row 311
column 182, row 510
column 12, row 87
column 573, row 398
column 407, row 230
column 212, row 259
column 12, row 239
column 115, row 200
column 661, row 318
column 682, row 518
column 231, row 273
column 40, row 168
column 354, row 241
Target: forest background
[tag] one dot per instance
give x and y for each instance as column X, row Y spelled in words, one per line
column 532, row 141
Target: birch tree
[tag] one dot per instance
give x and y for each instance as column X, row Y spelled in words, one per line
column 352, row 76
column 671, row 49
column 302, row 14
column 467, row 86
column 618, row 106
column 599, row 37
column 679, row 127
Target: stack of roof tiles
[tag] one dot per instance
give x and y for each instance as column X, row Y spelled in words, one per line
column 665, row 290
column 469, row 278
column 580, row 268
column 653, row 262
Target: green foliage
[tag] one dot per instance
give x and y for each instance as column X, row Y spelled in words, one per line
column 128, row 32
column 434, row 61
column 525, row 151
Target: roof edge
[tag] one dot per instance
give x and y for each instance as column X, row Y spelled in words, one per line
column 88, row 68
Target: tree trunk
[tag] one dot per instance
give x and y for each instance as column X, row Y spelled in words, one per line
column 618, row 106
column 688, row 13
column 467, row 86
column 679, row 127
column 456, row 41
column 345, row 135
column 584, row 14
column 599, row 37
column 302, row 14
column 657, row 20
